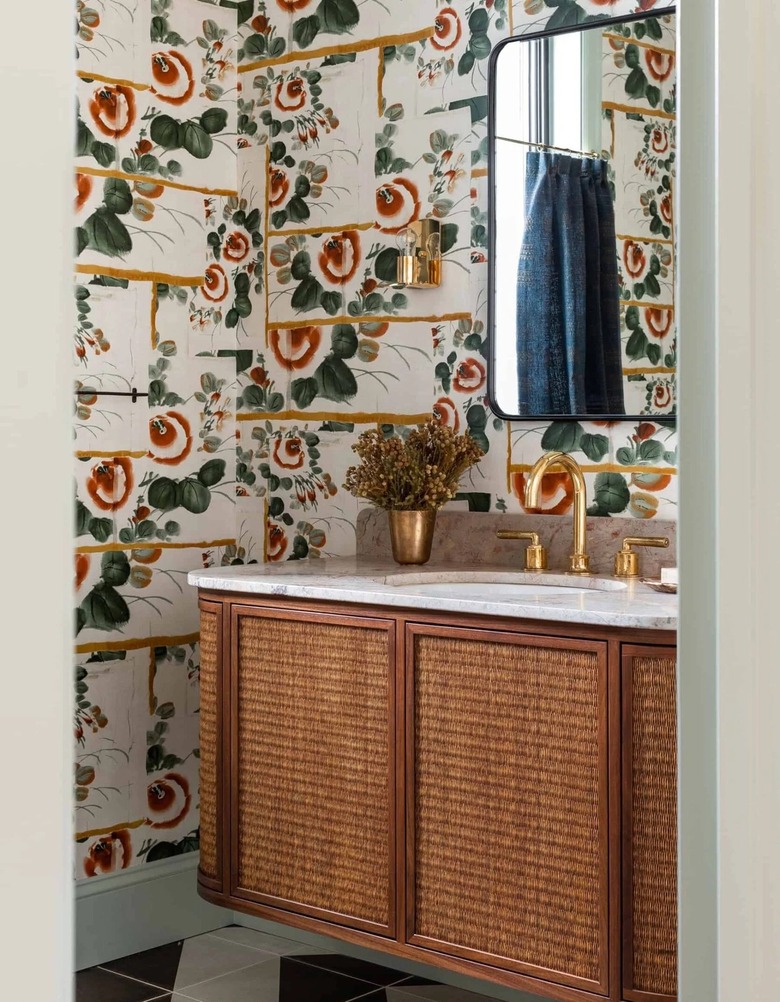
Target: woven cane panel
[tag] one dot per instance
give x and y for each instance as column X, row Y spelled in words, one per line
column 654, row 829
column 507, row 801
column 209, row 646
column 313, row 768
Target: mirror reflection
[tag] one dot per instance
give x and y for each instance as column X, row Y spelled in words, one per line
column 583, row 238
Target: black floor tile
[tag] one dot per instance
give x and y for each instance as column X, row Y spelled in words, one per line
column 353, row 968
column 299, row 982
column 158, row 966
column 96, row 985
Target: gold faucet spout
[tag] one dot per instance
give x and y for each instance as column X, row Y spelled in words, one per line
column 579, row 561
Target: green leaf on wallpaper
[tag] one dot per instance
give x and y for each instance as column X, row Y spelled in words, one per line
column 117, row 195
column 301, row 266
column 304, row 392
column 338, row 16
column 101, row 529
column 479, row 21
column 632, row 57
column 654, row 353
column 166, row 132
column 478, row 106
column 335, row 380
column 84, row 138
column 214, row 120
column 115, row 568
column 653, row 95
column 344, row 341
column 568, row 14
column 212, row 472
column 595, row 447
column 466, row 63
column 653, row 27
column 164, row 494
column 254, row 47
column 636, row 83
column 82, row 240
column 636, row 347
column 611, row 493
column 480, row 46
column 107, row 234
column 449, row 236
column 651, row 451
column 195, row 497
column 83, row 518
column 196, row 141
column 331, row 302
column 104, row 153
column 306, row 30
column 626, row 456
column 562, row 436
column 307, row 295
column 386, row 265
column 298, row 210
column 104, row 609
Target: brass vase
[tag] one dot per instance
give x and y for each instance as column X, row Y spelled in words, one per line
column 411, row 536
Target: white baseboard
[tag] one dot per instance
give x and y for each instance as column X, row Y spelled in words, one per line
column 141, row 908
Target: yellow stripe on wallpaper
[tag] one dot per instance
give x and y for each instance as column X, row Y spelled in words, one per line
column 362, row 45
column 604, row 468
column 359, row 417
column 133, row 275
column 136, row 644
column 439, row 318
column 163, row 182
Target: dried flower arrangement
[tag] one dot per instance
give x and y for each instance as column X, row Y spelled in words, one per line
column 420, row 473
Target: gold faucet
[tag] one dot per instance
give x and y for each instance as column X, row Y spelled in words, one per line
column 579, row 561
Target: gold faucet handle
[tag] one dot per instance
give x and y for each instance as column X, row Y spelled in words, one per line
column 627, row 562
column 535, row 554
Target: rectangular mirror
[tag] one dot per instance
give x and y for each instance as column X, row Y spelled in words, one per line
column 582, row 240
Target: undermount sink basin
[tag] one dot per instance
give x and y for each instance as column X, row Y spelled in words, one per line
column 507, row 586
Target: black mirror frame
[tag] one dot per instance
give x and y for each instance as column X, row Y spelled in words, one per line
column 602, row 22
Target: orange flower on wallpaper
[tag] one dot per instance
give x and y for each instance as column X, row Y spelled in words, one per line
column 663, row 397
column 109, row 853
column 659, row 322
column 447, row 30
column 294, row 349
column 82, row 568
column 470, row 375
column 150, row 556
column 659, row 140
column 666, row 208
column 110, row 483
column 397, row 204
column 340, row 257
column 277, row 542
column 215, row 284
column 557, row 492
column 280, row 186
column 290, row 94
column 288, row 453
column 634, row 258
column 168, row 800
column 112, row 109
column 83, row 189
column 293, row 5
column 659, row 64
column 236, row 247
column 446, row 413
column 174, row 80
column 170, row 437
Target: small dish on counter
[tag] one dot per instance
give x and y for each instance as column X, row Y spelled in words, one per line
column 664, row 587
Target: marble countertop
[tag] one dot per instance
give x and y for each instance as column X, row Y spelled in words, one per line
column 384, row 583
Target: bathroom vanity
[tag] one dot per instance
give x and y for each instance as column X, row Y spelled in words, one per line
column 471, row 769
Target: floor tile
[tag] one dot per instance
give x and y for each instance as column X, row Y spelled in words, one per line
column 354, row 968
column 179, row 965
column 96, row 985
column 281, row 979
column 264, row 941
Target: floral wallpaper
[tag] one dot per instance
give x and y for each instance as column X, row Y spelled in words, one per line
column 242, row 172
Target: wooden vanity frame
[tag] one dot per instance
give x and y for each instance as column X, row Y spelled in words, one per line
column 397, row 938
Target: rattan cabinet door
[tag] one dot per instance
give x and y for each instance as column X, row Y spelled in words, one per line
column 507, row 780
column 313, row 777
column 211, row 738
column 649, row 687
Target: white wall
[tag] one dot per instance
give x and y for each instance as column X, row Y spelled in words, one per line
column 36, row 109
column 729, row 679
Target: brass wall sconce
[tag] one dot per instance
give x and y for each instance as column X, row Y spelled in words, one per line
column 419, row 260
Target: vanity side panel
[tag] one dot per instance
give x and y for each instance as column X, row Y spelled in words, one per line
column 507, row 802
column 649, row 696
column 211, row 741
column 313, row 765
